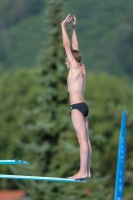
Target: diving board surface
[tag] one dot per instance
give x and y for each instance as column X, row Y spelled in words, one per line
column 13, row 162
column 41, row 178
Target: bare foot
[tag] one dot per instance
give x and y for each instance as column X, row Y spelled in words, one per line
column 81, row 175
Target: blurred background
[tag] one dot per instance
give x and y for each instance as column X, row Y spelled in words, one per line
column 35, row 124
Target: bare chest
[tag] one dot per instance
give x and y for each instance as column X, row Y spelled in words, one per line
column 76, row 82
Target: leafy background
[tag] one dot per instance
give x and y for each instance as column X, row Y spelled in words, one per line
column 34, row 109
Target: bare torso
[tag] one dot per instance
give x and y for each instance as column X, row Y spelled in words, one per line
column 76, row 82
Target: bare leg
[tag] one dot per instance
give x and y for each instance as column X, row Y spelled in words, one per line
column 89, row 144
column 80, row 126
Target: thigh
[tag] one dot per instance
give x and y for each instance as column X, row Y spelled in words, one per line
column 79, row 123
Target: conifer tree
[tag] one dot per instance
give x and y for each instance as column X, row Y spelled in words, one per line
column 49, row 141
column 48, row 125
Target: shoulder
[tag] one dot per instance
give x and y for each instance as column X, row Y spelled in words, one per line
column 76, row 70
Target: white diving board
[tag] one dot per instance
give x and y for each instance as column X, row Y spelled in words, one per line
column 13, row 162
column 41, row 178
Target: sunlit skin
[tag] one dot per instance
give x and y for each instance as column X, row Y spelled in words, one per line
column 76, row 82
column 67, row 63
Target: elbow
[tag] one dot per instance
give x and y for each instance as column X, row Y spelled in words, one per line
column 66, row 44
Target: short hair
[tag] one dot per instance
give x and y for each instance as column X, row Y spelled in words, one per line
column 76, row 54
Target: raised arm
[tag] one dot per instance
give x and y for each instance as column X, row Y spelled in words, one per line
column 66, row 41
column 74, row 36
column 65, row 38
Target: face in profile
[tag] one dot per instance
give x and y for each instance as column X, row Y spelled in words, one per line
column 67, row 63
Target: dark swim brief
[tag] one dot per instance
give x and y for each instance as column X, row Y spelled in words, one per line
column 82, row 107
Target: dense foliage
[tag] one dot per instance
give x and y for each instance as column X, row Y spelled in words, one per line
column 34, row 110
column 17, row 93
column 105, row 31
column 60, row 156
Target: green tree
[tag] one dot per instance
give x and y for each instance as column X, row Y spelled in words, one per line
column 100, row 25
column 54, row 151
column 14, row 12
column 17, row 90
column 104, row 119
column 47, row 126
column 124, row 50
column 108, row 97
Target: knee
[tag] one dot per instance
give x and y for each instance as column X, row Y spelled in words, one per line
column 82, row 140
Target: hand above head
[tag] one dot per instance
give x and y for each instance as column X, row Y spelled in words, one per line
column 74, row 21
column 67, row 19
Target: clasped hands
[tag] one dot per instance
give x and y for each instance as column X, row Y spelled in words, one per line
column 68, row 19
